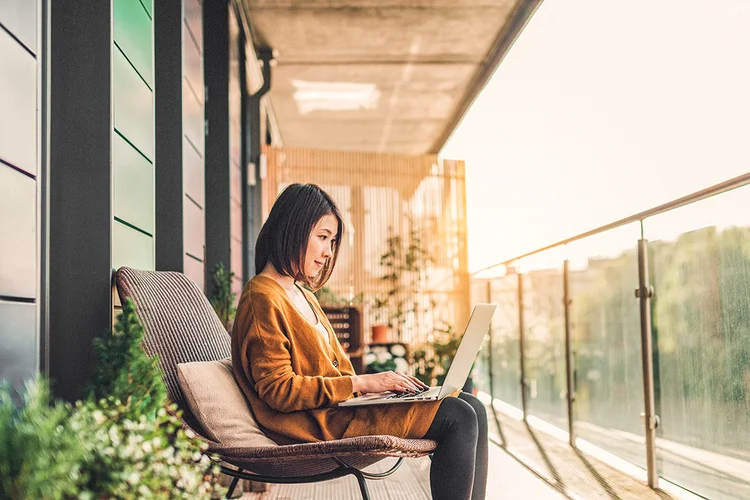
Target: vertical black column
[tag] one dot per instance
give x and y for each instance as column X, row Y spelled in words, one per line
column 218, row 181
column 253, row 208
column 248, row 250
column 80, row 184
column 255, row 137
column 170, row 237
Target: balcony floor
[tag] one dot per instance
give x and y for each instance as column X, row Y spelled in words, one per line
column 516, row 450
column 508, row 479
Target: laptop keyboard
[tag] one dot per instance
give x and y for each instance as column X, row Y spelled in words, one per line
column 408, row 394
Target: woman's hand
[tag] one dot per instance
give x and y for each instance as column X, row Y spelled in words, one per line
column 386, row 381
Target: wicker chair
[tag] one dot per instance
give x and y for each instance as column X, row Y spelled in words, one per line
column 181, row 326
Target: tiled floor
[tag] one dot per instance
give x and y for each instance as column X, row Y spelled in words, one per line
column 507, row 480
column 516, row 449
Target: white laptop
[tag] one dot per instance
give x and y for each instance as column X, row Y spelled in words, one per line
column 467, row 351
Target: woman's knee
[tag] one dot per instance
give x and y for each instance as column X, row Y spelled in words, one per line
column 462, row 414
column 478, row 406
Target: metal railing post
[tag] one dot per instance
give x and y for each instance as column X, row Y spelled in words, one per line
column 524, row 384
column 643, row 293
column 490, row 372
column 570, row 395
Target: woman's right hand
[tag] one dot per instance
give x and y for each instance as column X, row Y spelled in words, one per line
column 386, row 381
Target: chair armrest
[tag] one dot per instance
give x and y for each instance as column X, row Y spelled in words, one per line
column 357, row 446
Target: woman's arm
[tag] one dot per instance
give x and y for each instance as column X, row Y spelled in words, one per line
column 267, row 356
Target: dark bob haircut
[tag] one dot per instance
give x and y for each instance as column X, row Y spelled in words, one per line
column 282, row 240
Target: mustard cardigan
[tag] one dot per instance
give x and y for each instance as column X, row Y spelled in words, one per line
column 293, row 379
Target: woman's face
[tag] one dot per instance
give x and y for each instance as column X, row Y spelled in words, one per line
column 320, row 244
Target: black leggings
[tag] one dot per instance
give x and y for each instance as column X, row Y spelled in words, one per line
column 459, row 464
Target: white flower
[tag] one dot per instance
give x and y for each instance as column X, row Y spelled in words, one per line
column 370, row 358
column 398, row 350
column 401, row 365
column 384, row 356
column 99, row 417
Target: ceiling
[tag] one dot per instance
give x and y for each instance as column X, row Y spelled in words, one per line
column 390, row 76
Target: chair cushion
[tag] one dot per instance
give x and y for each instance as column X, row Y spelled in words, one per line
column 219, row 405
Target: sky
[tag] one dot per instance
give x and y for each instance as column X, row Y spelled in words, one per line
column 603, row 109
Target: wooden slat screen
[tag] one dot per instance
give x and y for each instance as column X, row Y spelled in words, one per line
column 418, row 198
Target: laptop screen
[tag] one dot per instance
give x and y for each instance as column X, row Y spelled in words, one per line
column 479, row 323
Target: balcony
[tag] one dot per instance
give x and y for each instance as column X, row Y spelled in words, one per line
column 156, row 135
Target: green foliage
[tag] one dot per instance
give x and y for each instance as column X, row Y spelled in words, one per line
column 431, row 361
column 38, row 458
column 700, row 316
column 120, row 443
column 381, row 366
column 222, row 297
column 132, row 458
column 404, row 262
column 123, row 371
column 328, row 298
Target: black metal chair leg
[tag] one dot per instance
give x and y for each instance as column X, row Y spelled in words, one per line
column 362, row 484
column 232, row 486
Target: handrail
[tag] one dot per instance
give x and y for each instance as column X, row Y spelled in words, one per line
column 722, row 187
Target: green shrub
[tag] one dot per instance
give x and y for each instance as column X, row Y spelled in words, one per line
column 123, row 370
column 222, row 297
column 139, row 458
column 119, row 443
column 38, row 458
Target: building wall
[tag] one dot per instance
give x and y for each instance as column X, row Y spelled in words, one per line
column 19, row 173
column 78, row 164
column 133, row 135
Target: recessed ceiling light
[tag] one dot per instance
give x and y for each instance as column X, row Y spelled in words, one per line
column 334, row 96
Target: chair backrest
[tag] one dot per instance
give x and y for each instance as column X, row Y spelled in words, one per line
column 179, row 323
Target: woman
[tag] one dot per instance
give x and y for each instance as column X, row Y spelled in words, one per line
column 293, row 370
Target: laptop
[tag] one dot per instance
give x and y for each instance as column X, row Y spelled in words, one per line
column 479, row 323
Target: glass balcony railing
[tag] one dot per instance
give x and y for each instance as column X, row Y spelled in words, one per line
column 647, row 319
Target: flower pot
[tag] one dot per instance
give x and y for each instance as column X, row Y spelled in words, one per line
column 379, row 334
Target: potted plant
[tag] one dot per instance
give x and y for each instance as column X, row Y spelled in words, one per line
column 404, row 262
column 380, row 324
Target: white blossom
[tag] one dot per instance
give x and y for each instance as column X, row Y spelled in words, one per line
column 398, row 350
column 401, row 365
column 384, row 356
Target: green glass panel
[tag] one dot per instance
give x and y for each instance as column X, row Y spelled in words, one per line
column 606, row 342
column 544, row 340
column 133, row 103
column 134, row 35
column 18, row 234
column 700, row 269
column 133, row 186
column 480, row 374
column 148, row 5
column 131, row 248
column 506, row 350
column 19, row 353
